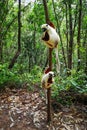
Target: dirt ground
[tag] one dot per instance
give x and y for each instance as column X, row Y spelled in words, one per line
column 21, row 109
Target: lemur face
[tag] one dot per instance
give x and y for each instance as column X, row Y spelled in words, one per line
column 44, row 27
column 51, row 74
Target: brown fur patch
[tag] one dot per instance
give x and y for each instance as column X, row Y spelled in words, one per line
column 50, row 80
column 56, row 43
column 51, row 24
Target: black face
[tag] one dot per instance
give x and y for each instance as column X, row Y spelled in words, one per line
column 50, row 75
column 44, row 29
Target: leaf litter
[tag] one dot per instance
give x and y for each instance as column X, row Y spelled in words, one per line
column 21, row 109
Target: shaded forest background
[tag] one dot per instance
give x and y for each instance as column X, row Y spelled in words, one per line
column 23, row 56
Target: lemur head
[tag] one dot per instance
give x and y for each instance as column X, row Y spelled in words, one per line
column 45, row 27
column 51, row 74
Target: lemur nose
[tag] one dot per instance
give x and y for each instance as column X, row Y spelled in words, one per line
column 44, row 29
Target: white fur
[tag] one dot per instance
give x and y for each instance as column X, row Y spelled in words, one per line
column 45, row 80
column 54, row 39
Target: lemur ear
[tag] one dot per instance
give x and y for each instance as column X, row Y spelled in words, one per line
column 47, row 70
column 51, row 24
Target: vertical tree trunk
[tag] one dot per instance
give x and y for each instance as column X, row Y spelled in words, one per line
column 19, row 27
column 46, row 11
column 67, row 34
column 70, row 39
column 59, row 35
column 1, row 45
column 79, row 34
column 85, row 46
column 86, row 60
column 19, row 38
column 1, row 50
column 3, row 14
column 50, row 66
column 34, row 45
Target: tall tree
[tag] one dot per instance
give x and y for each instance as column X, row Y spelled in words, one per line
column 79, row 33
column 63, row 51
column 3, row 15
column 67, row 33
column 19, row 37
column 50, row 65
column 70, row 37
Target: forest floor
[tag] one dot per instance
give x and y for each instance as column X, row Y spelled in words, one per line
column 21, row 109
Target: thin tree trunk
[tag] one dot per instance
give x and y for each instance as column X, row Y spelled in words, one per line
column 50, row 66
column 70, row 39
column 3, row 14
column 79, row 34
column 67, row 33
column 85, row 46
column 59, row 35
column 86, row 60
column 19, row 38
column 46, row 11
column 34, row 45
column 75, row 19
column 1, row 51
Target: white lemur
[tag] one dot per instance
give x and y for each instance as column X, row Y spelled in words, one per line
column 47, row 80
column 51, row 39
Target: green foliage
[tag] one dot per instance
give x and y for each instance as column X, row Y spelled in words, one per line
column 7, row 76
column 33, row 77
column 75, row 83
column 16, row 77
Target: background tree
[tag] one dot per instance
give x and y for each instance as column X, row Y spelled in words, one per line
column 19, row 36
column 79, row 31
column 3, row 14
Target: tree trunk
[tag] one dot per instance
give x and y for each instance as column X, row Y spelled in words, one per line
column 50, row 66
column 19, row 38
column 75, row 19
column 34, row 45
column 70, row 39
column 1, row 51
column 86, row 60
column 85, row 46
column 67, row 33
column 1, row 46
column 59, row 35
column 79, row 34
